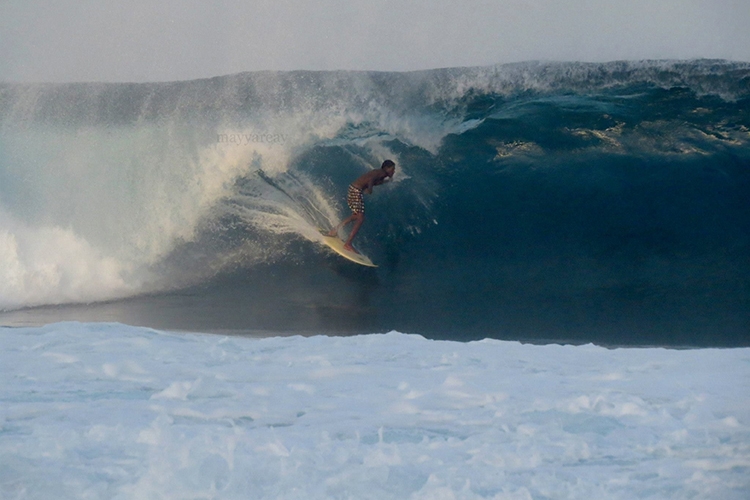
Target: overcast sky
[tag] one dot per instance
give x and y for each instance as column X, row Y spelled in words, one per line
column 157, row 40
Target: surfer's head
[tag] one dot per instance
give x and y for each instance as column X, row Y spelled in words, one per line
column 389, row 167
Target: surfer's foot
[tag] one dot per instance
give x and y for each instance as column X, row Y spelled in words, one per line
column 350, row 248
column 333, row 232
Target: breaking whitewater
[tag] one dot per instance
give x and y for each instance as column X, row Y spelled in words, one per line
column 111, row 411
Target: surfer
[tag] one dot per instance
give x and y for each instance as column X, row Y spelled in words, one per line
column 356, row 202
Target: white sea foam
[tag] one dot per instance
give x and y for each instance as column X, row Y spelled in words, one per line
column 109, row 411
column 51, row 264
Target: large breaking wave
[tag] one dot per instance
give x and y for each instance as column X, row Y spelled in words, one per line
column 529, row 197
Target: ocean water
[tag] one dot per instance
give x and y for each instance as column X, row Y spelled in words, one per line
column 566, row 246
column 118, row 412
column 573, row 202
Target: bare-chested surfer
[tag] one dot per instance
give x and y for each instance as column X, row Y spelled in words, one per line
column 356, row 201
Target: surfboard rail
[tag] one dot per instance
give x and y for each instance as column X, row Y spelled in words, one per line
column 335, row 244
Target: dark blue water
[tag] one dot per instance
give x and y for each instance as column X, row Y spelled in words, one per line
column 600, row 203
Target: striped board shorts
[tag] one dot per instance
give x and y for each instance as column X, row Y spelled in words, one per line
column 355, row 200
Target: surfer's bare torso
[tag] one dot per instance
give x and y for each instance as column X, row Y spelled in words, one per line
column 372, row 178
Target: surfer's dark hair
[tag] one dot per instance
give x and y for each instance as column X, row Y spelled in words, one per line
column 387, row 163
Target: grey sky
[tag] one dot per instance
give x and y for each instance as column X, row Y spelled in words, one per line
column 157, row 40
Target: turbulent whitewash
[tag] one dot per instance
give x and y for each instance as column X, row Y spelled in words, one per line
column 112, row 411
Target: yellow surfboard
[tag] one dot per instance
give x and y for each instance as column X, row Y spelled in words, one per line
column 338, row 246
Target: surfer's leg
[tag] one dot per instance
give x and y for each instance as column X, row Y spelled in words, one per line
column 335, row 230
column 359, row 218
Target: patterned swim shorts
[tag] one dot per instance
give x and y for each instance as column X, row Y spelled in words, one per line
column 355, row 200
